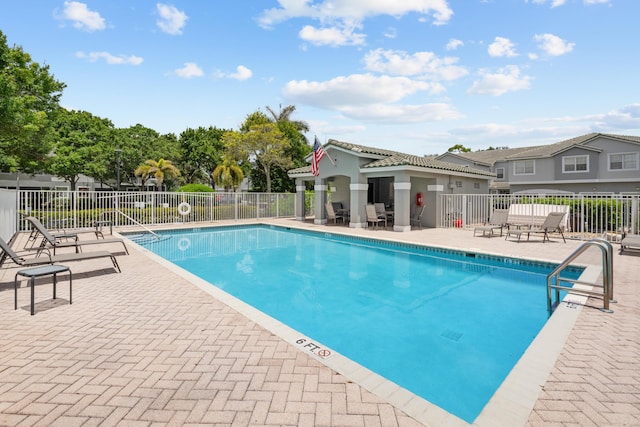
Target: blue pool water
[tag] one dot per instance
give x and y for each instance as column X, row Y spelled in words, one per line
column 448, row 326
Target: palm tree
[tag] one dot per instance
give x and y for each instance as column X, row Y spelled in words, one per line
column 157, row 170
column 228, row 175
column 284, row 116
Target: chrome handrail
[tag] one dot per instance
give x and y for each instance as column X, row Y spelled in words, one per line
column 607, row 276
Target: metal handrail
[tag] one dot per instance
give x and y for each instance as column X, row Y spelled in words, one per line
column 607, row 277
column 136, row 222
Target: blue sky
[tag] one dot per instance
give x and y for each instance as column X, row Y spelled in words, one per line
column 417, row 76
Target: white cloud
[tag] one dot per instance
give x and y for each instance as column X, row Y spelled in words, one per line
column 505, row 80
column 358, row 10
column 356, row 89
column 190, row 70
column 453, row 44
column 625, row 118
column 401, row 113
column 502, row 47
column 338, row 19
column 553, row 45
column 554, row 3
column 588, row 2
column 391, row 33
column 82, row 17
column 110, row 59
column 171, row 19
column 369, row 98
column 242, row 73
column 421, row 64
column 332, row 36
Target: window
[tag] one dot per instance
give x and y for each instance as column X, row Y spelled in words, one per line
column 623, row 161
column 524, row 167
column 458, row 184
column 572, row 164
column 500, row 173
column 476, row 185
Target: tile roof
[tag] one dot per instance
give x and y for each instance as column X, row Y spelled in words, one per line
column 490, row 157
column 389, row 158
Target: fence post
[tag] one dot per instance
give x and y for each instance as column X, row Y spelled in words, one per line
column 235, row 206
column 634, row 215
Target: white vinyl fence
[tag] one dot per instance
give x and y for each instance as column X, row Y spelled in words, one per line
column 590, row 215
column 80, row 209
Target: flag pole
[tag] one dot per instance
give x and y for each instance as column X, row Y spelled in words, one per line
column 330, row 159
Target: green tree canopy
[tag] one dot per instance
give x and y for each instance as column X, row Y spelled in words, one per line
column 202, row 150
column 159, row 170
column 458, row 148
column 228, row 175
column 78, row 139
column 137, row 144
column 29, row 94
column 263, row 144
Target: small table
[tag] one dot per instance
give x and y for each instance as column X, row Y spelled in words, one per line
column 34, row 272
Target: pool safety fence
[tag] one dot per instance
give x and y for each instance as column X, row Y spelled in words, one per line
column 84, row 209
column 589, row 215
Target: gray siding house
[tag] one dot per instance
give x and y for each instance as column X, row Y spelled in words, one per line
column 592, row 163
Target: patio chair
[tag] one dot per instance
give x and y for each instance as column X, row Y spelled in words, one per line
column 373, row 218
column 58, row 242
column 416, row 218
column 331, row 214
column 43, row 256
column 497, row 221
column 551, row 224
column 629, row 241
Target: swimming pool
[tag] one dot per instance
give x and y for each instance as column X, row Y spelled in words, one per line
column 446, row 325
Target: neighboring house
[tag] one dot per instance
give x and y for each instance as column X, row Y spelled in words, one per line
column 41, row 181
column 357, row 175
column 592, row 163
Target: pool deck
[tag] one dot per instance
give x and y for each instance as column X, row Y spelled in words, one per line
column 154, row 346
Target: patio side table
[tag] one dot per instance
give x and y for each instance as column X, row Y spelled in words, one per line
column 34, row 272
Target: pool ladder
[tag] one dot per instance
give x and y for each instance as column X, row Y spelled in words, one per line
column 603, row 291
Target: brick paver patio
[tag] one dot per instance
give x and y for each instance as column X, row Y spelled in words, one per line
column 147, row 347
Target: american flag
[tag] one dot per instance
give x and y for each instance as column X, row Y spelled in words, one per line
column 318, row 153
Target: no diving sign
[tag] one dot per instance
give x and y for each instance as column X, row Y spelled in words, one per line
column 315, row 349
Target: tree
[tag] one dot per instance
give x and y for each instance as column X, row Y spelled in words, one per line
column 263, row 144
column 298, row 151
column 29, row 94
column 137, row 144
column 158, row 170
column 458, row 148
column 202, row 151
column 79, row 138
column 228, row 175
column 284, row 116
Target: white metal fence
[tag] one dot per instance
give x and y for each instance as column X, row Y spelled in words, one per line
column 590, row 215
column 79, row 209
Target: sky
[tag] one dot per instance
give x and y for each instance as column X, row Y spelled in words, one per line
column 416, row 76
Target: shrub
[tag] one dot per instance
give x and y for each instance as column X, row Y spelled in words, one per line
column 195, row 188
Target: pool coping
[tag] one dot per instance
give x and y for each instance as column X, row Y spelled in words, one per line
column 510, row 405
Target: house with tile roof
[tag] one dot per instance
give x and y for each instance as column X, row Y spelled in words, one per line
column 591, row 163
column 356, row 175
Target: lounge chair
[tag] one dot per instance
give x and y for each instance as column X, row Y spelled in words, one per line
column 373, row 218
column 497, row 221
column 551, row 224
column 416, row 219
column 630, row 241
column 68, row 241
column 43, row 256
column 331, row 214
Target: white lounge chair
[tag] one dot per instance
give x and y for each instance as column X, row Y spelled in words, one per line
column 630, row 241
column 551, row 224
column 42, row 256
column 497, row 221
